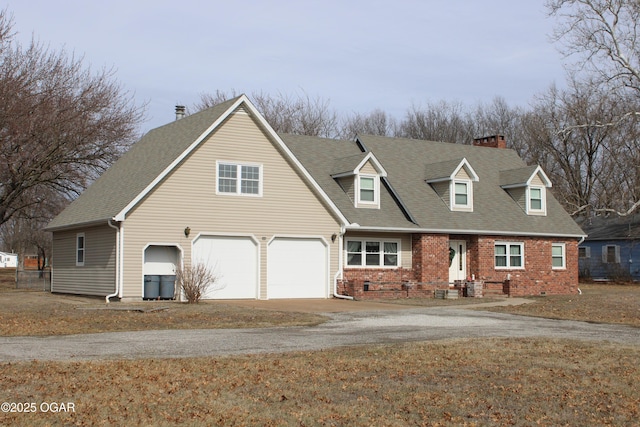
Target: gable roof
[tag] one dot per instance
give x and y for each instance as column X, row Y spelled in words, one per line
column 521, row 177
column 447, row 170
column 149, row 161
column 612, row 227
column 407, row 162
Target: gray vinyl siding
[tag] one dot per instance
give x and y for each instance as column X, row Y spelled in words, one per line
column 97, row 275
column 348, row 185
column 187, row 198
column 443, row 189
column 519, row 194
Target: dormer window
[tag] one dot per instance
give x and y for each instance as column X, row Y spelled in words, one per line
column 359, row 176
column 453, row 181
column 461, row 194
column 528, row 187
column 536, row 199
column 368, row 189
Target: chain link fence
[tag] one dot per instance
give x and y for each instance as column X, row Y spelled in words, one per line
column 39, row 280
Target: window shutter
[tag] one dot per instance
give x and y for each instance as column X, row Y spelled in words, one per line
column 604, row 254
column 587, row 252
column 617, row 254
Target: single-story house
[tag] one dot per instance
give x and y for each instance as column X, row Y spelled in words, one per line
column 286, row 216
column 8, row 260
column 612, row 249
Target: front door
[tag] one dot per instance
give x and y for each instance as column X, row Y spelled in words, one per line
column 457, row 260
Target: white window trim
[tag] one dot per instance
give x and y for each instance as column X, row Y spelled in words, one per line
column 564, row 256
column 543, row 196
column 508, row 255
column 452, row 202
column 376, row 191
column 363, row 241
column 83, row 249
column 239, row 166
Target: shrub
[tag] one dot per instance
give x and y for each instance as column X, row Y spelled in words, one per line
column 195, row 280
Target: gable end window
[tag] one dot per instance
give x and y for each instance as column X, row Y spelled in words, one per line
column 509, row 255
column 239, row 179
column 372, row 253
column 558, row 257
column 80, row 249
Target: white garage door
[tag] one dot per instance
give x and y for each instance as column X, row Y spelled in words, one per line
column 234, row 261
column 297, row 268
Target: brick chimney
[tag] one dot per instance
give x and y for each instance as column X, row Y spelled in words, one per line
column 180, row 112
column 494, row 141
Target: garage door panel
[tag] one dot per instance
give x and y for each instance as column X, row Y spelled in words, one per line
column 234, row 261
column 297, row 268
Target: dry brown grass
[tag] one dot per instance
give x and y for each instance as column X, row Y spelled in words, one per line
column 522, row 382
column 604, row 303
column 470, row 382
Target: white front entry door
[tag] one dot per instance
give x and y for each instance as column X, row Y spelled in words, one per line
column 458, row 258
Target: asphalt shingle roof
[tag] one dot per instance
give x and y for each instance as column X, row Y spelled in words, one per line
column 407, row 163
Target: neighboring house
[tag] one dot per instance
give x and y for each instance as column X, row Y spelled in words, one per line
column 8, row 260
column 284, row 216
column 612, row 249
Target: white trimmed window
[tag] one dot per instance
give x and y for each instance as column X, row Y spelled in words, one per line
column 368, row 190
column 239, row 179
column 373, row 253
column 462, row 195
column 536, row 200
column 558, row 257
column 509, row 255
column 80, row 249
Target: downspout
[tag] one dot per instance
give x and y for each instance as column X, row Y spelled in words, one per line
column 581, row 240
column 339, row 272
column 115, row 293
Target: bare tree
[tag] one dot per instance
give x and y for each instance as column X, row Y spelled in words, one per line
column 377, row 122
column 441, row 121
column 603, row 37
column 60, row 124
column 195, row 280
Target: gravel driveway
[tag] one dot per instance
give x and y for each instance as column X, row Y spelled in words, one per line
column 344, row 329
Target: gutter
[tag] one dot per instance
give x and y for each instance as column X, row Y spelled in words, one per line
column 338, row 274
column 117, row 278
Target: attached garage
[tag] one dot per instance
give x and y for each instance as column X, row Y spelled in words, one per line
column 297, row 268
column 234, row 261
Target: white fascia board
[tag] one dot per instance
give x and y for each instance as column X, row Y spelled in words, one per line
column 241, row 100
column 356, row 227
column 122, row 214
column 293, row 158
column 376, row 164
column 465, row 164
column 543, row 176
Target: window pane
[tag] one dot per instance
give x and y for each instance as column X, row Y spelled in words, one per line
column 227, row 175
column 611, row 254
column 556, row 250
column 367, row 192
column 250, row 180
column 536, row 199
column 354, row 255
column 390, row 253
column 373, row 253
column 461, row 195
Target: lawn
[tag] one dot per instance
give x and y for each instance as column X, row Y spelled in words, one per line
column 473, row 382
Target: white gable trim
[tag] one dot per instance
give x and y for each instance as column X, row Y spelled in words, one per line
column 120, row 216
column 463, row 164
column 543, row 176
column 376, row 164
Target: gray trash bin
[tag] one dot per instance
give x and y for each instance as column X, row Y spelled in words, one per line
column 167, row 286
column 151, row 287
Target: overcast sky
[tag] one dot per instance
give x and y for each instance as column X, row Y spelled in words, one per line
column 360, row 55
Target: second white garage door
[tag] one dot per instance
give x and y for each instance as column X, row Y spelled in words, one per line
column 297, row 268
column 235, row 262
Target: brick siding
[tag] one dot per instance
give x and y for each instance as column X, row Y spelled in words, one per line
column 430, row 269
